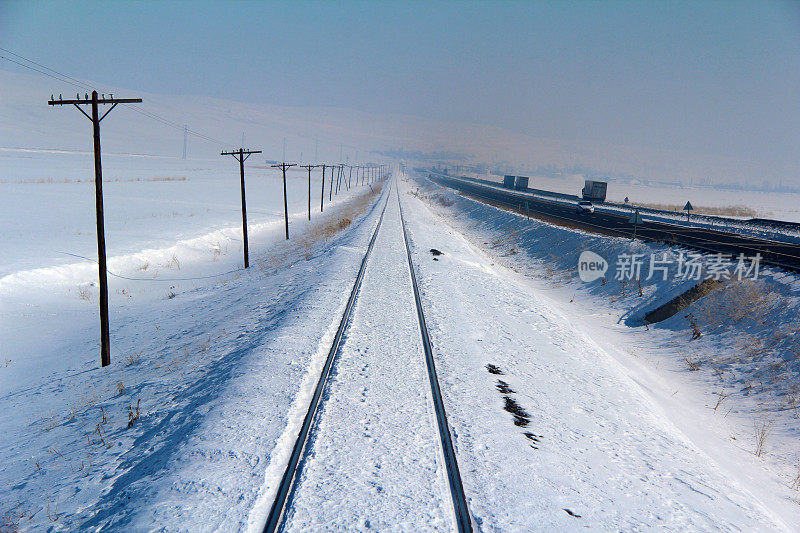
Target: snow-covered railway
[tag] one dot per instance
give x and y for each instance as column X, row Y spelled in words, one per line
column 375, row 448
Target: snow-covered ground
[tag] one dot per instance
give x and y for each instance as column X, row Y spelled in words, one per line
column 150, row 202
column 161, row 237
column 374, row 460
column 561, row 418
column 211, row 373
column 565, row 411
column 754, row 384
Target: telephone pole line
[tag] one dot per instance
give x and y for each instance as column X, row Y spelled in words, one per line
column 309, row 167
column 105, row 338
column 284, row 166
column 241, row 156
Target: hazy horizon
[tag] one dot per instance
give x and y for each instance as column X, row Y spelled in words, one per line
column 672, row 91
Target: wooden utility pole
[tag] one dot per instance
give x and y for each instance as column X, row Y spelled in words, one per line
column 309, row 167
column 241, row 156
column 105, row 338
column 345, row 179
column 330, row 189
column 322, row 192
column 284, row 166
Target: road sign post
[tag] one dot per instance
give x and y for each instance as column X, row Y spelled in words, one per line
column 688, row 208
column 636, row 220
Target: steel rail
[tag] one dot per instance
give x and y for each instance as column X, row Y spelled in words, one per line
column 462, row 515
column 276, row 512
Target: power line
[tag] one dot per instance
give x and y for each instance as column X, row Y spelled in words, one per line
column 77, row 83
column 64, row 78
column 42, row 72
column 169, row 280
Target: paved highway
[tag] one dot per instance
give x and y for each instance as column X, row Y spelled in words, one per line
column 562, row 210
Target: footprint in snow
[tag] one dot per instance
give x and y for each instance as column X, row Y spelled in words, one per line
column 494, row 369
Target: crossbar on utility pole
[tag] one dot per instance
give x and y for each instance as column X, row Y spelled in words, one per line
column 105, row 337
column 284, row 166
column 309, row 167
column 241, row 156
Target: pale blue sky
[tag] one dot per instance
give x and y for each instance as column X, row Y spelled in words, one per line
column 720, row 76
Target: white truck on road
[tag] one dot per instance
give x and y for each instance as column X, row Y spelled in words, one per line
column 594, row 191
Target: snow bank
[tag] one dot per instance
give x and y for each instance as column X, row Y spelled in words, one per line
column 199, row 389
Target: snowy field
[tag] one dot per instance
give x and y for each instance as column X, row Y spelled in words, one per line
column 219, row 345
column 562, row 415
column 149, row 201
column 167, row 221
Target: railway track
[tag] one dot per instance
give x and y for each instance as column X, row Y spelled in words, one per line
column 276, row 519
column 453, row 476
column 777, row 253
